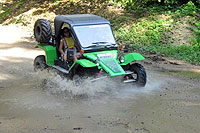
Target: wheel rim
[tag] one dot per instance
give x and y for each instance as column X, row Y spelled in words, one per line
column 133, row 76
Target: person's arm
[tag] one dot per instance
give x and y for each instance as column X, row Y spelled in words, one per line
column 61, row 50
column 61, row 47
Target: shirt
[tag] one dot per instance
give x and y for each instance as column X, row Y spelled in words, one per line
column 69, row 41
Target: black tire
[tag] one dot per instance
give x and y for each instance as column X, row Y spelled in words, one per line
column 42, row 31
column 40, row 63
column 139, row 71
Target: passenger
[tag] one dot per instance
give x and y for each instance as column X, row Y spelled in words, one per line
column 67, row 42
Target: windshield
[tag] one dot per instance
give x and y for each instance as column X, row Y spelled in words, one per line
column 94, row 34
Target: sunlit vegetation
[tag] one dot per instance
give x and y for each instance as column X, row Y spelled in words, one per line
column 163, row 27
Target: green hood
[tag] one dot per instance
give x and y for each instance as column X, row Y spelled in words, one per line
column 108, row 61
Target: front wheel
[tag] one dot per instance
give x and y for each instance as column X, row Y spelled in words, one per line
column 40, row 63
column 138, row 74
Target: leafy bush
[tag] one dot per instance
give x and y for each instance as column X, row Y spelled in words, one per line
column 187, row 9
column 197, row 33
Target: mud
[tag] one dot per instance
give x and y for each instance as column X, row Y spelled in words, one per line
column 46, row 102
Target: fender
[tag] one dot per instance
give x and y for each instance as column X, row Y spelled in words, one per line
column 84, row 63
column 130, row 57
column 50, row 52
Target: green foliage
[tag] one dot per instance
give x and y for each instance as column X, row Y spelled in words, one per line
column 150, row 34
column 57, row 2
column 197, row 32
column 72, row 3
column 187, row 9
column 135, row 4
column 187, row 53
column 183, row 52
column 7, row 12
column 146, row 32
column 132, row 4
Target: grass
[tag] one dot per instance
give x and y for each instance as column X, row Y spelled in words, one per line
column 189, row 54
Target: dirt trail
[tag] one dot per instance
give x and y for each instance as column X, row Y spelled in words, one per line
column 46, row 102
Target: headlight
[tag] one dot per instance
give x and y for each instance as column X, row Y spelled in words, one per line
column 97, row 64
column 121, row 59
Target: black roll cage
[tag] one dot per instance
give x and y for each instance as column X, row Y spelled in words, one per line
column 76, row 20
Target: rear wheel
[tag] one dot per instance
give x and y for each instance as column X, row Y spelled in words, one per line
column 40, row 63
column 138, row 74
column 42, row 31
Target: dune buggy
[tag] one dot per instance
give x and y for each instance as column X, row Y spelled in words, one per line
column 99, row 54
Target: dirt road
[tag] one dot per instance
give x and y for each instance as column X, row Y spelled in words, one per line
column 46, row 102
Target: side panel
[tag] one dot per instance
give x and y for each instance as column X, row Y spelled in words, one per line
column 50, row 52
column 128, row 58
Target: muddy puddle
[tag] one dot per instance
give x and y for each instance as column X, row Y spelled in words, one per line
column 54, row 83
column 47, row 102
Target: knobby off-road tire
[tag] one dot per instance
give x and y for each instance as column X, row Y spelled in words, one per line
column 42, row 31
column 141, row 77
column 40, row 63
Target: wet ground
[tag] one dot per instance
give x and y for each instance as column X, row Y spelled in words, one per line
column 46, row 102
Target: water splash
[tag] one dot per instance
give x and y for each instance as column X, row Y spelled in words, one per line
column 56, row 84
column 49, row 90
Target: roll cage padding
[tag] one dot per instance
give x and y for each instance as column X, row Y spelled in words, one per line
column 77, row 19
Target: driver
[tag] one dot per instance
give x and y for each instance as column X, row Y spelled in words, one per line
column 67, row 42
